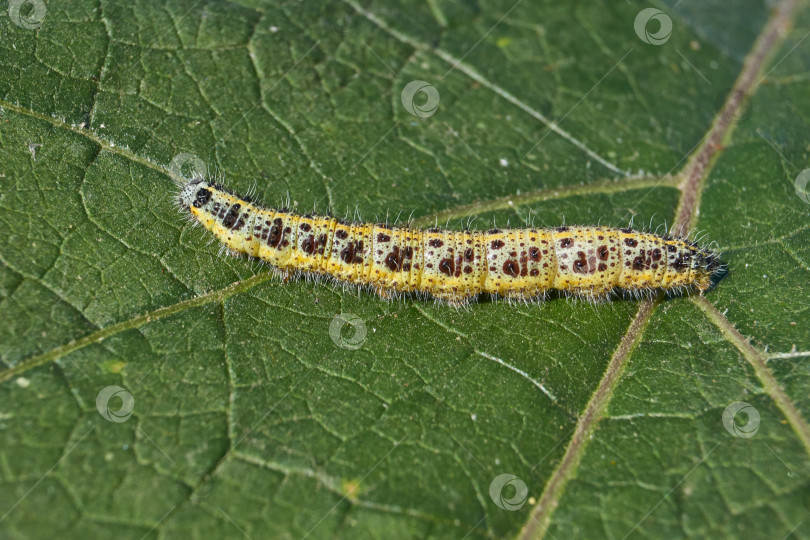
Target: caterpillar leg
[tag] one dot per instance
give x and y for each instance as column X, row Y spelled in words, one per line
column 592, row 294
column 524, row 297
column 385, row 294
column 453, row 299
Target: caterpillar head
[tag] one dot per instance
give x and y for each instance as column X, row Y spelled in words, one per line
column 195, row 193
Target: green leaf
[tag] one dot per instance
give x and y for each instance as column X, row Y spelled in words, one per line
column 251, row 419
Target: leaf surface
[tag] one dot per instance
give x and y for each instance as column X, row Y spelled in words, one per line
column 250, row 419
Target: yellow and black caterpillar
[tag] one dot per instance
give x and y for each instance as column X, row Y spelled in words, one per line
column 454, row 266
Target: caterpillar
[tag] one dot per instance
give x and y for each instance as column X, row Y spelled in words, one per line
column 452, row 266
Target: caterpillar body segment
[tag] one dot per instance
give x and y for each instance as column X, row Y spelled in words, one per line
column 454, row 266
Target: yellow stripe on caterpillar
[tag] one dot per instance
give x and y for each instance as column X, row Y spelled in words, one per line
column 454, row 266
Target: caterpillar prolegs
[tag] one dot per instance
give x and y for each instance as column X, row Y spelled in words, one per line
column 454, row 266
